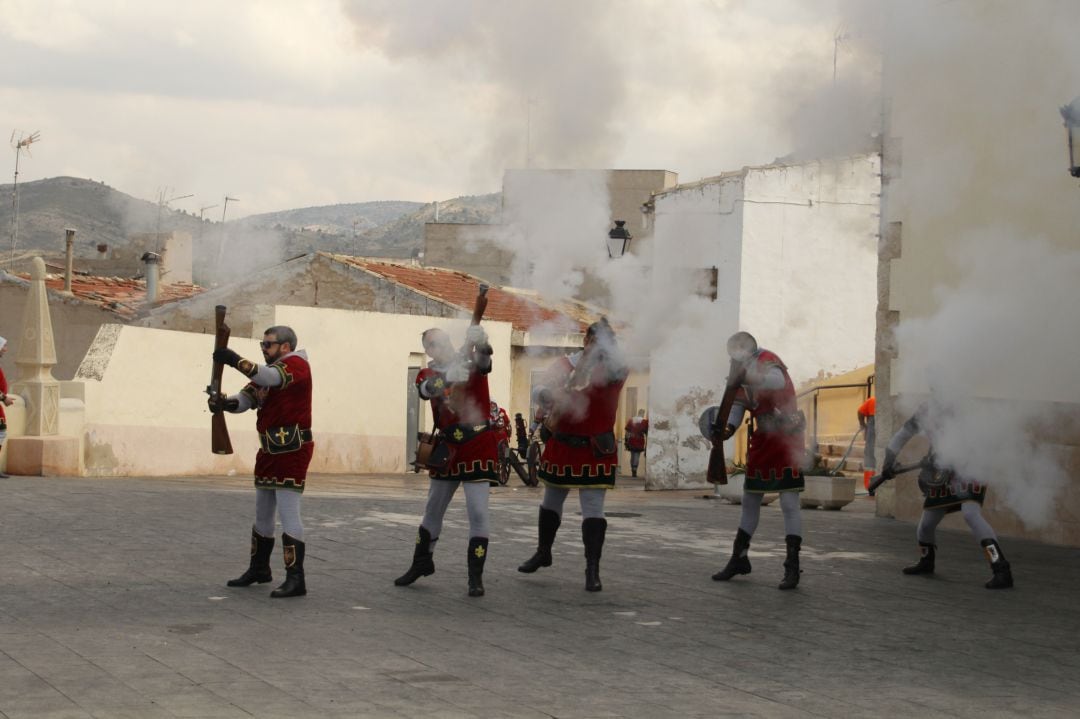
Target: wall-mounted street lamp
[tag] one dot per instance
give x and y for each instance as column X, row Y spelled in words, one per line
column 1071, row 114
column 618, row 241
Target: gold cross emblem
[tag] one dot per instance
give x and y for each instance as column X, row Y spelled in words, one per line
column 282, row 435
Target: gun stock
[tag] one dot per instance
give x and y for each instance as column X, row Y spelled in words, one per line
column 219, row 431
column 481, row 304
column 877, row 480
column 717, row 471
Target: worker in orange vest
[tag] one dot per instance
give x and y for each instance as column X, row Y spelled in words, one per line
column 866, row 424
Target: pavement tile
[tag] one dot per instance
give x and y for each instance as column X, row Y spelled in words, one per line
column 145, row 627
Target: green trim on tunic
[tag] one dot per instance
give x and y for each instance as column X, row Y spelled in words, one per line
column 481, row 470
column 786, row 482
column 272, row 483
column 568, row 480
column 953, row 493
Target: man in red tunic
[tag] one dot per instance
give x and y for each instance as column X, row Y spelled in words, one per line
column 456, row 383
column 582, row 392
column 775, row 458
column 636, row 430
column 5, row 401
column 280, row 391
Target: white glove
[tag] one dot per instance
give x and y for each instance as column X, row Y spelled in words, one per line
column 475, row 335
column 457, row 372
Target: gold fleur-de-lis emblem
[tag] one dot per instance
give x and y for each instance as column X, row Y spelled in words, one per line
column 459, row 435
column 479, row 551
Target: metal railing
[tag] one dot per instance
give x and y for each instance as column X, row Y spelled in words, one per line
column 868, row 386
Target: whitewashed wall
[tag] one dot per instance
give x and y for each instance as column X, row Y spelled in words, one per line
column 146, row 414
column 809, row 283
column 696, row 227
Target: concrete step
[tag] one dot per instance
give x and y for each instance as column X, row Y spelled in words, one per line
column 837, row 450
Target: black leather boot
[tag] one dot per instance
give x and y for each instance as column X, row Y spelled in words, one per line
column 593, row 530
column 791, row 563
column 423, row 561
column 925, row 565
column 739, row 562
column 1002, row 578
column 293, row 586
column 258, row 570
column 548, row 525
column 477, row 554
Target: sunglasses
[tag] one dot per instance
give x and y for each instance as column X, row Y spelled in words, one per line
column 266, row 344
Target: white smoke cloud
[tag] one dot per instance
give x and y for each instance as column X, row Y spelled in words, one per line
column 997, row 358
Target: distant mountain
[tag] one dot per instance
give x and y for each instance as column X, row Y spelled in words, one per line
column 391, row 232
column 103, row 215
column 346, row 219
column 98, row 213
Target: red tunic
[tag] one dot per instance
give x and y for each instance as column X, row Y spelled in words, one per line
column 778, row 444
column 636, row 429
column 461, row 415
column 500, row 423
column 284, row 407
column 581, row 451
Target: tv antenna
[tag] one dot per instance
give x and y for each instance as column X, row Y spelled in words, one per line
column 163, row 202
column 221, row 240
column 22, row 143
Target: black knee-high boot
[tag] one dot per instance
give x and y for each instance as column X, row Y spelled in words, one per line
column 294, row 585
column 740, row 561
column 925, row 565
column 423, row 562
column 791, row 563
column 258, row 570
column 593, row 530
column 477, row 554
column 548, row 526
column 1002, row 578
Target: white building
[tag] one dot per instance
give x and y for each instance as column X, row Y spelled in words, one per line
column 785, row 252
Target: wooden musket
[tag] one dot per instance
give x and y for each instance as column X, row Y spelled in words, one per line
column 219, row 431
column 717, row 471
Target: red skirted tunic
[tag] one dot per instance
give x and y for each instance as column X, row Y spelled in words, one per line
column 461, row 414
column 581, row 452
column 636, row 429
column 500, row 423
column 777, row 446
column 284, row 425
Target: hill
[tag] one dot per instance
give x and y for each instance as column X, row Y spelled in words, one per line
column 104, row 215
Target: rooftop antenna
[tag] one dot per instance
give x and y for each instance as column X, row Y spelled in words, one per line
column 22, row 143
column 163, row 202
column 221, row 242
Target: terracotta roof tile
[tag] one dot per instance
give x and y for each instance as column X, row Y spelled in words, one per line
column 459, row 289
column 120, row 295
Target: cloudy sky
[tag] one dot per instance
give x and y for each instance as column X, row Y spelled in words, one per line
column 288, row 104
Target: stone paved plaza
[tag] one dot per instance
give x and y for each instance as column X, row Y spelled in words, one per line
column 113, row 604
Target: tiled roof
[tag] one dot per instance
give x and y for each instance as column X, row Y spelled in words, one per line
column 459, row 289
column 120, row 295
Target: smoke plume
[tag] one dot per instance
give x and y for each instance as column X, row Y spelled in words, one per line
column 997, row 361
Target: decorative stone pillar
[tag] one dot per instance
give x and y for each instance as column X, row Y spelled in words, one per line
column 40, row 451
column 35, row 356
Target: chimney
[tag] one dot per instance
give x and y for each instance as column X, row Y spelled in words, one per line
column 69, row 236
column 153, row 276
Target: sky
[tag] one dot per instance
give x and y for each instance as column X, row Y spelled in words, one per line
column 285, row 104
